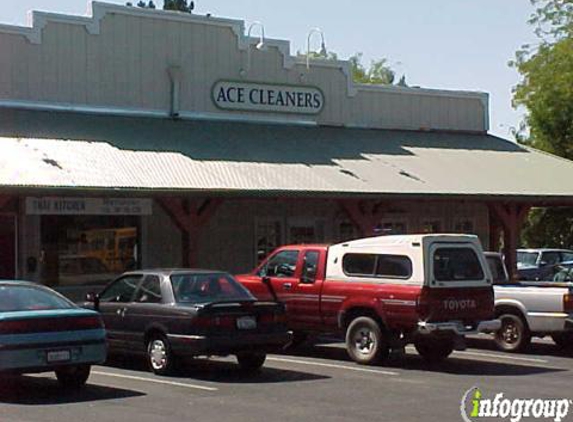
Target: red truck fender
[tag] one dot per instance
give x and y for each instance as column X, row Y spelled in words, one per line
column 361, row 306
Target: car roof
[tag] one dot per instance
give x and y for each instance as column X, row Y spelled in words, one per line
column 305, row 245
column 171, row 271
column 20, row 283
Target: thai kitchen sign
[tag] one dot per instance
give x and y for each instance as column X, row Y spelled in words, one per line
column 87, row 206
column 246, row 96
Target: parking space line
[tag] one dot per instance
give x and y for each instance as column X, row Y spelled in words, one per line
column 500, row 356
column 331, row 365
column 156, row 381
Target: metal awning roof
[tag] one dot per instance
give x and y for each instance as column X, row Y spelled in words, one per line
column 162, row 155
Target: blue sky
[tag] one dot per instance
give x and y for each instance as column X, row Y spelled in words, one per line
column 445, row 44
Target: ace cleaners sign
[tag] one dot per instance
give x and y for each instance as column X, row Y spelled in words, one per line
column 247, row 96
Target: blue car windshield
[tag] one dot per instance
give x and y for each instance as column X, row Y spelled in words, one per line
column 24, row 298
column 208, row 287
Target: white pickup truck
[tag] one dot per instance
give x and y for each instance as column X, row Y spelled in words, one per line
column 528, row 310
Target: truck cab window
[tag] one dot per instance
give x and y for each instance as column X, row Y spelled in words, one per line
column 309, row 266
column 283, row 264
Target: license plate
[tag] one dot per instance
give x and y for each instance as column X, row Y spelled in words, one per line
column 246, row 323
column 58, row 356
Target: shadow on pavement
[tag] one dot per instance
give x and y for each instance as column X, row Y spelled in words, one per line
column 412, row 361
column 30, row 390
column 216, row 370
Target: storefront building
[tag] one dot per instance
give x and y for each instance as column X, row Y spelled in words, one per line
column 136, row 138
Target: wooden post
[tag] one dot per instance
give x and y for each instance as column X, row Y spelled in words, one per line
column 4, row 200
column 495, row 229
column 190, row 216
column 512, row 217
column 363, row 214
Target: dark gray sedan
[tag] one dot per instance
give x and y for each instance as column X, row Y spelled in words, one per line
column 167, row 314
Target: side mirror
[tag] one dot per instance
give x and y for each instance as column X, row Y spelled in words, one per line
column 92, row 297
column 543, row 263
column 267, row 282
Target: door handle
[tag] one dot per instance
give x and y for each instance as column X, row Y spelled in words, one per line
column 121, row 312
column 287, row 286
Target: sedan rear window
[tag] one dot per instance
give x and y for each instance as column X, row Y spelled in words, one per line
column 22, row 298
column 457, row 264
column 205, row 288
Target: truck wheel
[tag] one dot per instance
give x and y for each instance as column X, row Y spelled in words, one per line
column 434, row 350
column 251, row 362
column 159, row 355
column 563, row 340
column 73, row 377
column 513, row 336
column 365, row 342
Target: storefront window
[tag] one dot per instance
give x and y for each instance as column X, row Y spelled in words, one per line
column 268, row 237
column 347, row 231
column 431, row 227
column 303, row 231
column 464, row 226
column 391, row 227
column 87, row 250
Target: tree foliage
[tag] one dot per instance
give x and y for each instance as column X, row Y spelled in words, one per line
column 378, row 73
column 179, row 5
column 546, row 92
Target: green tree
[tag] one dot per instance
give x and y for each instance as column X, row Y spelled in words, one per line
column 546, row 92
column 179, row 5
column 379, row 72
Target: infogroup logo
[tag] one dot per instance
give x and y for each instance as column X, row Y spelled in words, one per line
column 475, row 406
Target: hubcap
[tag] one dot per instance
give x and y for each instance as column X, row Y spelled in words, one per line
column 158, row 354
column 510, row 333
column 364, row 341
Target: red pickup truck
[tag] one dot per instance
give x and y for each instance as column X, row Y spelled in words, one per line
column 383, row 292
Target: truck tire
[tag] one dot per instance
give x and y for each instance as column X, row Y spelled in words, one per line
column 434, row 350
column 514, row 335
column 563, row 340
column 366, row 343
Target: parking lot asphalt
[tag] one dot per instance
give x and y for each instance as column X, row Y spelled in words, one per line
column 315, row 383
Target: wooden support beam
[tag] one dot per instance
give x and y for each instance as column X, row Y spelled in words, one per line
column 4, row 200
column 363, row 214
column 190, row 216
column 512, row 217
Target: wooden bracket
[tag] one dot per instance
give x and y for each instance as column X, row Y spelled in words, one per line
column 189, row 216
column 512, row 217
column 363, row 214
